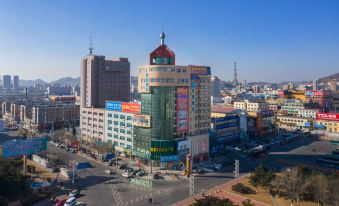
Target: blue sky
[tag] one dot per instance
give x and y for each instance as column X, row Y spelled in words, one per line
column 271, row 40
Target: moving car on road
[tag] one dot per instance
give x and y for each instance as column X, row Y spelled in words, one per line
column 74, row 193
column 70, row 202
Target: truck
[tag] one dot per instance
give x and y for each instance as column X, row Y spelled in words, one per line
column 83, row 165
column 108, row 156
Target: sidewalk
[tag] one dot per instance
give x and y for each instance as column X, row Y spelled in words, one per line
column 219, row 192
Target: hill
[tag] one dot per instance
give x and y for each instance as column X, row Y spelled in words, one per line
column 67, row 81
column 329, row 77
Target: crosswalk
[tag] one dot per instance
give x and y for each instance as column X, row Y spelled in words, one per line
column 139, row 193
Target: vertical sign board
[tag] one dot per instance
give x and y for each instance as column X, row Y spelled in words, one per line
column 182, row 109
column 16, row 148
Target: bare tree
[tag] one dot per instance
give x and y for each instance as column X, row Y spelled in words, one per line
column 320, row 188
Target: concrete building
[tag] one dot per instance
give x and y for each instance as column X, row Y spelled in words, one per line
column 54, row 116
column 333, row 85
column 224, row 130
column 177, row 98
column 251, row 106
column 335, row 103
column 315, row 84
column 292, row 108
column 308, row 113
column 16, row 82
column 6, row 82
column 216, row 86
column 103, row 80
column 289, row 122
column 92, row 124
column 119, row 124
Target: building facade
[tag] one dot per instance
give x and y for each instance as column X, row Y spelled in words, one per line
column 6, row 82
column 103, row 80
column 16, row 82
column 177, row 99
column 92, row 124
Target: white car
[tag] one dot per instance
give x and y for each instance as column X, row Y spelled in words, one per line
column 126, row 174
column 80, row 204
column 108, row 172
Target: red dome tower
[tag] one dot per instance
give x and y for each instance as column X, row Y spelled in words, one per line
column 162, row 55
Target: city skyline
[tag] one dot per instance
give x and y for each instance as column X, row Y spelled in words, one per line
column 48, row 39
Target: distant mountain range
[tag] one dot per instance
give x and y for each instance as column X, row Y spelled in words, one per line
column 63, row 81
column 328, row 78
column 67, row 81
column 28, row 83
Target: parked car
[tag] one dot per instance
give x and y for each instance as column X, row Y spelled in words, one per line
column 56, row 169
column 123, row 166
column 136, row 171
column 126, row 174
column 74, row 193
column 156, row 176
column 108, row 172
column 60, row 202
column 80, row 204
column 70, row 202
column 140, row 173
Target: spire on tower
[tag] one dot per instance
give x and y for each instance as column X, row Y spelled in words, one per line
column 90, row 45
column 162, row 38
column 235, row 75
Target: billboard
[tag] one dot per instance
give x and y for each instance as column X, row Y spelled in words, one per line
column 169, row 158
column 182, row 109
column 122, row 106
column 161, row 148
column 142, row 120
column 16, row 148
column 200, row 70
column 327, row 116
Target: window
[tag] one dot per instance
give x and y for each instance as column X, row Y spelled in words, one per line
column 122, row 131
column 129, row 125
column 122, row 116
column 109, row 115
column 110, row 128
column 129, row 117
column 122, row 124
column 116, row 136
column 116, row 116
column 122, row 138
column 116, row 130
column 109, row 121
column 129, row 132
column 116, row 123
column 129, row 139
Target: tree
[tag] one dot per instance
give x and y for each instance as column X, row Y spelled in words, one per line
column 262, row 177
column 211, row 200
column 291, row 183
column 320, row 188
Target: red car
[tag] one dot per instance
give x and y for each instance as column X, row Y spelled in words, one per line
column 61, row 202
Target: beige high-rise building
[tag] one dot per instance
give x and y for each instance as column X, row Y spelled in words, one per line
column 103, row 80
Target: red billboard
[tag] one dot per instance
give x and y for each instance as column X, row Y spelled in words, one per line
column 327, row 116
column 130, row 107
column 182, row 108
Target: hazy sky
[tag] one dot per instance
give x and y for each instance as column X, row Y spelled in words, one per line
column 272, row 40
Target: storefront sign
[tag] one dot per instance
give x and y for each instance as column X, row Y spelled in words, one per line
column 327, row 116
column 142, row 120
column 169, row 158
column 123, row 106
column 182, row 109
column 200, row 70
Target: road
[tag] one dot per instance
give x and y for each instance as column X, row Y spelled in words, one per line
column 97, row 188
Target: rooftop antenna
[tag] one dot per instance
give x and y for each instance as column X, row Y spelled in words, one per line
column 162, row 38
column 90, row 45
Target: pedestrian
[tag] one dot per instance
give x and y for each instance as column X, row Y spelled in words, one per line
column 150, row 200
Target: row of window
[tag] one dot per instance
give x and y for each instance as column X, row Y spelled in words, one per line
column 121, row 116
column 94, row 113
column 163, row 69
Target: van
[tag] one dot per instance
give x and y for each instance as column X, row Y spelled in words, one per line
column 70, row 202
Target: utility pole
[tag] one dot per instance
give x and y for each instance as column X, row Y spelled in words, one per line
column 236, row 169
column 191, row 185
